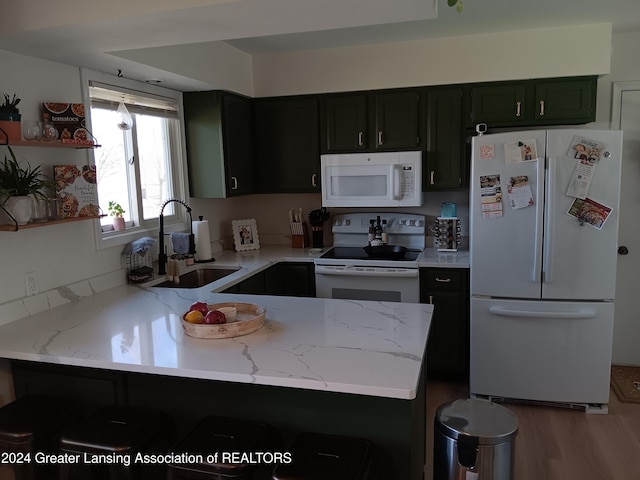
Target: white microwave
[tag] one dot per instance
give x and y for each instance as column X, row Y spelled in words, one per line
column 389, row 179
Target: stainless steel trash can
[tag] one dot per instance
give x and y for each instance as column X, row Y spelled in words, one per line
column 474, row 440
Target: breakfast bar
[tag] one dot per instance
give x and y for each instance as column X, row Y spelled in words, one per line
column 344, row 367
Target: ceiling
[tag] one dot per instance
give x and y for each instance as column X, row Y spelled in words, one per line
column 99, row 35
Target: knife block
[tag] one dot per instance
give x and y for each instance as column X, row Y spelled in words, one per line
column 298, row 234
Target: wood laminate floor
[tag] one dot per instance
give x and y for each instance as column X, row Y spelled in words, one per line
column 561, row 444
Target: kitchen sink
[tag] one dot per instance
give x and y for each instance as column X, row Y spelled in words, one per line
column 199, row 278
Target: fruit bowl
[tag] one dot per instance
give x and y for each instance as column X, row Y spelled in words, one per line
column 248, row 319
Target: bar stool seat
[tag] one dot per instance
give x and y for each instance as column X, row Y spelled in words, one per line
column 219, row 434
column 34, row 423
column 318, row 456
column 118, row 432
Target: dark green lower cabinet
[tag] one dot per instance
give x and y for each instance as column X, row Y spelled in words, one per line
column 254, row 285
column 293, row 279
column 90, row 388
column 396, row 426
column 448, row 345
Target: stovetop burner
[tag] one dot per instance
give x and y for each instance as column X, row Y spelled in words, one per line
column 358, row 253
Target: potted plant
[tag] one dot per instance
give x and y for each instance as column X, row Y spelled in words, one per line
column 19, row 186
column 117, row 212
column 10, row 119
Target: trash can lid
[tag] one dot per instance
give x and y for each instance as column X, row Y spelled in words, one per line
column 489, row 422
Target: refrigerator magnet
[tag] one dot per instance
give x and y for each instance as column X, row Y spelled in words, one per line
column 518, row 152
column 491, row 196
column 519, row 192
column 590, row 212
column 581, row 179
column 585, row 149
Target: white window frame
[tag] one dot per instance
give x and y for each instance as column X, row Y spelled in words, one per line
column 179, row 221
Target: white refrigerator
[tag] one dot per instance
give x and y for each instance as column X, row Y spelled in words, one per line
column 543, row 245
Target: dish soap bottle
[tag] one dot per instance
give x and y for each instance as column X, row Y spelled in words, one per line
column 384, row 235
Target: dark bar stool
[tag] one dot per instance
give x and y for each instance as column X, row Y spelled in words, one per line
column 219, row 434
column 117, row 433
column 34, row 423
column 320, row 457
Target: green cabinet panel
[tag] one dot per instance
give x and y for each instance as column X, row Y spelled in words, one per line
column 448, row 344
column 292, row 279
column 254, row 285
column 396, row 120
column 92, row 389
column 445, row 165
column 499, row 104
column 565, row 101
column 219, row 136
column 287, row 145
column 530, row 103
column 345, row 123
column 381, row 120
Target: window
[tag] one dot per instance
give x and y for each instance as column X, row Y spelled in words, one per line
column 142, row 167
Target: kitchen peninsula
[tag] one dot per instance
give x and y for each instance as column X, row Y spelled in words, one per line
column 343, row 367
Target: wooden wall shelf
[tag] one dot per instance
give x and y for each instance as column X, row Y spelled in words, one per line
column 14, row 228
column 49, row 144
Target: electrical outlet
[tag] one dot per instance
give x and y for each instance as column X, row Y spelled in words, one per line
column 31, row 283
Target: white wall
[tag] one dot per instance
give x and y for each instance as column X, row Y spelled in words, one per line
column 59, row 254
column 540, row 53
column 626, row 334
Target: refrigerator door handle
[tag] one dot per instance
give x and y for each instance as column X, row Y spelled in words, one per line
column 536, row 271
column 508, row 312
column 550, row 208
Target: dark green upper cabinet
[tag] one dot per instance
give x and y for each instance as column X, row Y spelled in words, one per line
column 396, row 120
column 381, row 120
column 539, row 102
column 565, row 101
column 218, row 131
column 287, row 145
column 445, row 146
column 499, row 104
column 345, row 123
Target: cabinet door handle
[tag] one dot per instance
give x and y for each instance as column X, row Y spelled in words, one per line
column 541, row 108
column 518, row 108
column 313, row 180
column 360, row 139
column 443, row 280
column 380, row 137
column 431, row 299
column 234, row 183
column 431, row 180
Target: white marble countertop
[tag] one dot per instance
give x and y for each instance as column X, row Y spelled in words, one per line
column 367, row 348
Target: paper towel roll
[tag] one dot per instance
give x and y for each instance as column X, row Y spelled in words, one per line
column 203, row 240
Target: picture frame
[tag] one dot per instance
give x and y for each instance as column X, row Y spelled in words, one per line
column 245, row 234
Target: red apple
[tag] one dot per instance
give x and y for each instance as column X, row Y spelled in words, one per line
column 200, row 307
column 214, row 317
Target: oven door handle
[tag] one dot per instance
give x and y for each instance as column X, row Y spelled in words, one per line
column 367, row 271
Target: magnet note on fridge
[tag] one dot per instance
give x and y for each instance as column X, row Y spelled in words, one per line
column 518, row 152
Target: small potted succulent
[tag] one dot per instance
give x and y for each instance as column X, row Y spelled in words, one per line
column 10, row 119
column 20, row 185
column 117, row 212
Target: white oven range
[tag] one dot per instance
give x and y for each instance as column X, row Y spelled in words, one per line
column 346, row 271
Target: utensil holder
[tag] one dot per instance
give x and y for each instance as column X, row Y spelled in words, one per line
column 317, row 238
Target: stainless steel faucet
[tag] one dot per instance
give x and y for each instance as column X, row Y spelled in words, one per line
column 162, row 254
